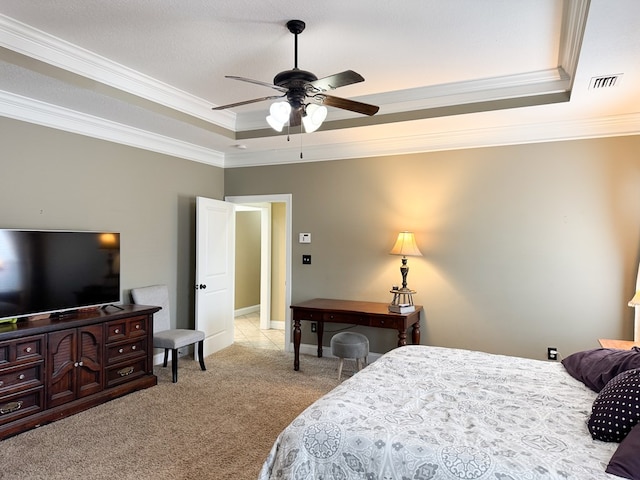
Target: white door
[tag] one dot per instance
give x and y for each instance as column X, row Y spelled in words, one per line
column 215, row 261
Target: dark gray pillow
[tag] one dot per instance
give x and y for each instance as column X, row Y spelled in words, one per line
column 616, row 409
column 595, row 368
column 626, row 461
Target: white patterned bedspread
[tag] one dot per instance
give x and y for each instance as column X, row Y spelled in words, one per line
column 423, row 413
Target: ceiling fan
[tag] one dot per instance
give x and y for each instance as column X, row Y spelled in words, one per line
column 305, row 93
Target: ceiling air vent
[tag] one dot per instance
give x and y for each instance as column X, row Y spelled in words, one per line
column 607, row 81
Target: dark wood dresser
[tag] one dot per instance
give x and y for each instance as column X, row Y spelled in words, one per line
column 53, row 368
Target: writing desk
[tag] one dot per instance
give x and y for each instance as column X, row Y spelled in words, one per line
column 368, row 314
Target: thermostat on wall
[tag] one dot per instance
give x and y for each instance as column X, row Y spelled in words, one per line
column 305, row 238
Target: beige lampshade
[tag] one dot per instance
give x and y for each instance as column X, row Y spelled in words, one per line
column 635, row 301
column 406, row 245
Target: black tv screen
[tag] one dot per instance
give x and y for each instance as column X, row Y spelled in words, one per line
column 48, row 271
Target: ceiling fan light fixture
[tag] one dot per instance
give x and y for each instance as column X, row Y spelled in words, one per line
column 314, row 116
column 279, row 115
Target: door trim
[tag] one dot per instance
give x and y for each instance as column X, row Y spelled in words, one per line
column 285, row 198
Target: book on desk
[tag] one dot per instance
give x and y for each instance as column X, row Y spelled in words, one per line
column 402, row 308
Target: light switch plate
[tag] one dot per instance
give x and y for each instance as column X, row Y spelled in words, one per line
column 304, row 238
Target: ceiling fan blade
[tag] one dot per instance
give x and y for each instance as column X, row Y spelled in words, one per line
column 295, row 117
column 332, row 82
column 257, row 82
column 246, row 102
column 351, row 105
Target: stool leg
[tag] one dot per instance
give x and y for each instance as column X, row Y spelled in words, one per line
column 340, row 368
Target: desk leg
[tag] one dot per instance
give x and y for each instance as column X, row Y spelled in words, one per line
column 402, row 337
column 320, row 334
column 296, row 344
column 415, row 334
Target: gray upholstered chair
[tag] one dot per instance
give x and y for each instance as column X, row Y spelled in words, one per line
column 163, row 335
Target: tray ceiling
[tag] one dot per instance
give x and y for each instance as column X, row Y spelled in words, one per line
column 446, row 75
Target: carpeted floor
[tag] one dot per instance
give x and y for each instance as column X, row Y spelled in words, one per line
column 218, row 424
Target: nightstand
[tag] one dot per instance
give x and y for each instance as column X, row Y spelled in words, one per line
column 619, row 344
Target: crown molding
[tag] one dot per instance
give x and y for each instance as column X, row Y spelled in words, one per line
column 571, row 129
column 41, row 113
column 46, row 48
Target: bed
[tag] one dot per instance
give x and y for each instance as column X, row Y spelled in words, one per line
column 422, row 412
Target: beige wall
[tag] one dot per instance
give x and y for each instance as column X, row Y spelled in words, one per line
column 247, row 274
column 56, row 180
column 524, row 246
column 278, row 261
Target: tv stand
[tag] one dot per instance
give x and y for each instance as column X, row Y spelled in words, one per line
column 51, row 368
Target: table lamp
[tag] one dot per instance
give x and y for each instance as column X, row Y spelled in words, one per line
column 635, row 302
column 406, row 246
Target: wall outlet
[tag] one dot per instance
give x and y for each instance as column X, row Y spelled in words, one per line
column 552, row 353
column 306, row 259
column 314, row 327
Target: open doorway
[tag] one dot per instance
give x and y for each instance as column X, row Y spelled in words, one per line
column 263, row 270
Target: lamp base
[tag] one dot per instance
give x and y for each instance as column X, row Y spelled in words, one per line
column 402, row 300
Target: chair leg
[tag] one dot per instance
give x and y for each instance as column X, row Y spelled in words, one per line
column 340, row 368
column 174, row 364
column 201, row 354
column 166, row 357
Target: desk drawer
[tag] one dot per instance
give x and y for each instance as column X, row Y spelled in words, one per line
column 387, row 322
column 346, row 318
column 302, row 314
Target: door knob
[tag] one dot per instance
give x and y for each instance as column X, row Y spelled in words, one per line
column 201, row 286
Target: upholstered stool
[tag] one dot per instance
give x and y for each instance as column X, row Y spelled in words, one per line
column 350, row 345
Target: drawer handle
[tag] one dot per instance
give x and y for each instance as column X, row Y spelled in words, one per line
column 133, row 348
column 1, row 383
column 21, row 376
column 123, row 372
column 78, row 364
column 121, row 350
column 137, row 326
column 117, row 330
column 28, row 349
column 10, row 407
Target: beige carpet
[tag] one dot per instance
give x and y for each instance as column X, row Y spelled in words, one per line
column 218, row 424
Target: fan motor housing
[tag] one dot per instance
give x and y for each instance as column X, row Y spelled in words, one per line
column 293, row 78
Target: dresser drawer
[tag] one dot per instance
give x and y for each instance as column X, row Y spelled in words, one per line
column 119, row 330
column 13, row 407
column 125, row 372
column 21, row 378
column 22, row 350
column 122, row 351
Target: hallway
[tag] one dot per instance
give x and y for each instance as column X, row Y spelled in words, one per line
column 248, row 333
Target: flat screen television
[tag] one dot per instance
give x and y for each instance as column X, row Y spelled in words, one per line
column 52, row 271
